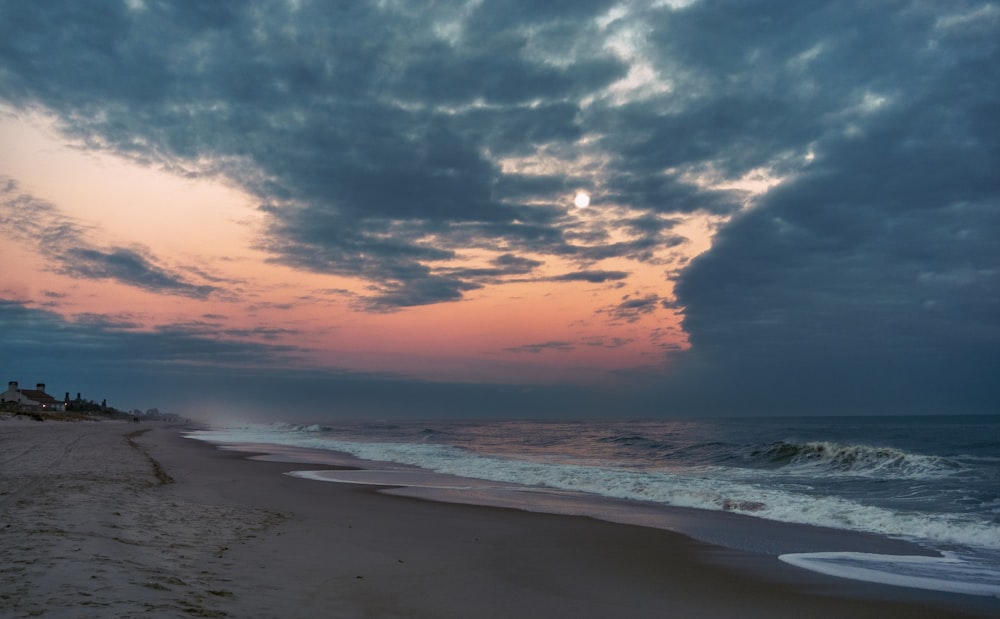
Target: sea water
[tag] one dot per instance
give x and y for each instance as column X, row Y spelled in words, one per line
column 933, row 481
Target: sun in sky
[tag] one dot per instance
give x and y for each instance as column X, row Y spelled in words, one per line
column 582, row 199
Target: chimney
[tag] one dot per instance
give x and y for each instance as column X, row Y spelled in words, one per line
column 12, row 385
column 40, row 387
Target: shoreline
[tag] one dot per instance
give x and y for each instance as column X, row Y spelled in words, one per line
column 90, row 524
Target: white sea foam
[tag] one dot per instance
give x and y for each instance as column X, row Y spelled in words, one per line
column 697, row 487
column 406, row 478
column 949, row 572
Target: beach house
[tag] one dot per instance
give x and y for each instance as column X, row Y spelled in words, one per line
column 34, row 398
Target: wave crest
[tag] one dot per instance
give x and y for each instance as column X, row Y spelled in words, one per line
column 854, row 459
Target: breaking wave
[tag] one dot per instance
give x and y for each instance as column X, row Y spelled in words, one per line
column 712, row 488
column 860, row 460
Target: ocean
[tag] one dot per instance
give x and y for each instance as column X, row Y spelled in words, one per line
column 788, row 486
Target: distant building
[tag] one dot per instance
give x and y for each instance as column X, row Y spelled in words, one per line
column 35, row 398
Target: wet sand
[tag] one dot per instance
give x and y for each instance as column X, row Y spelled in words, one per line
column 110, row 519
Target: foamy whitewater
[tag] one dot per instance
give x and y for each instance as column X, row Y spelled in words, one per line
column 934, row 481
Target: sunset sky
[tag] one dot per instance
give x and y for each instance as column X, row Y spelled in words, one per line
column 505, row 209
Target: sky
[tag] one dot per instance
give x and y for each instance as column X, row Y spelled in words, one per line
column 502, row 209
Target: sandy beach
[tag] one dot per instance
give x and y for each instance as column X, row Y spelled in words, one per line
column 113, row 519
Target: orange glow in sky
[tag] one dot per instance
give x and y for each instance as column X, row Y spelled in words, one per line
column 208, row 232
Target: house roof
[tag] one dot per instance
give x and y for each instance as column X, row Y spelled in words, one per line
column 39, row 396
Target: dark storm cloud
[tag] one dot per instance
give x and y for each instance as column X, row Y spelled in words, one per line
column 64, row 242
column 594, row 277
column 518, row 129
column 499, row 70
column 515, row 264
column 422, row 290
column 346, row 120
column 871, row 281
column 364, row 130
column 632, row 309
column 756, row 84
column 503, row 267
column 127, row 266
column 39, row 337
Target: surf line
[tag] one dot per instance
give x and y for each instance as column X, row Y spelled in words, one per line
column 948, row 572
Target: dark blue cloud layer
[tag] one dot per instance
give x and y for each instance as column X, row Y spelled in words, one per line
column 207, row 372
column 870, row 279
